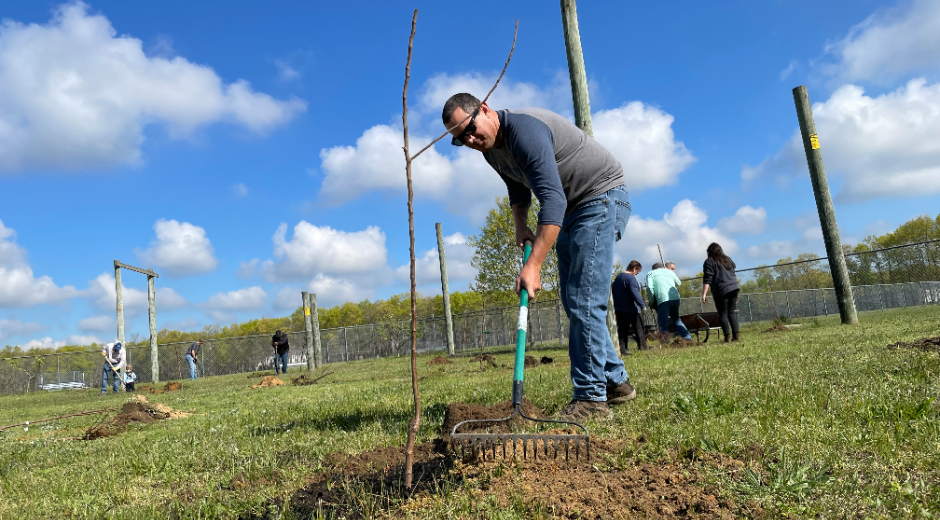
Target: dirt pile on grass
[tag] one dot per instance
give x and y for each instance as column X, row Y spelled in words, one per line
column 531, row 361
column 139, row 411
column 776, row 328
column 547, row 360
column 370, row 485
column 487, row 359
column 923, row 344
column 678, row 342
column 268, row 382
column 172, row 386
column 458, row 412
column 440, row 360
column 308, row 379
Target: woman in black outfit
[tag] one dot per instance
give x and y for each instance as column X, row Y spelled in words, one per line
column 719, row 274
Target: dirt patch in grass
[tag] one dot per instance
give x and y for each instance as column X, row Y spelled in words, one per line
column 457, row 412
column 486, row 358
column 172, row 386
column 308, row 379
column 924, row 344
column 680, row 343
column 268, row 382
column 531, row 361
column 440, row 360
column 370, row 485
column 547, row 360
column 776, row 328
column 138, row 411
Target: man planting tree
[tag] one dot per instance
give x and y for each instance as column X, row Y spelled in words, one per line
column 584, row 208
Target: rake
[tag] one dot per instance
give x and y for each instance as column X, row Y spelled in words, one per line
column 516, row 445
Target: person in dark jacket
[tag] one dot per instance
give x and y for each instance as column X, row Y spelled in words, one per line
column 628, row 306
column 281, row 346
column 718, row 272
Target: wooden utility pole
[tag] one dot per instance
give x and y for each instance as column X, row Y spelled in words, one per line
column 827, row 214
column 448, row 317
column 308, row 330
column 310, row 306
column 152, row 313
column 120, row 301
column 582, row 110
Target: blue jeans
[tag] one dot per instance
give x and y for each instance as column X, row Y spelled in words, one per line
column 585, row 259
column 192, row 367
column 667, row 315
column 280, row 359
column 105, row 372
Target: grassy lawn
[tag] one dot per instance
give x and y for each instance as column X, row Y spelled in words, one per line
column 839, row 424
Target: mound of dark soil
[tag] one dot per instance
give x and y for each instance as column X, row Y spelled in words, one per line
column 172, row 386
column 308, row 379
column 776, row 328
column 547, row 360
column 440, row 360
column 139, row 411
column 678, row 342
column 487, row 359
column 584, row 489
column 924, row 344
column 458, row 412
column 530, row 362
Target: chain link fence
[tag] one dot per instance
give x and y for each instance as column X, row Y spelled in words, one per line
column 897, row 277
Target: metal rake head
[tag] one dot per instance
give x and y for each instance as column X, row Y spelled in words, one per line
column 521, row 445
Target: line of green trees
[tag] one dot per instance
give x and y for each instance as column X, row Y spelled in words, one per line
column 498, row 261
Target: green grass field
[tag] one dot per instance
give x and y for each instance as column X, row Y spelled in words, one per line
column 842, row 427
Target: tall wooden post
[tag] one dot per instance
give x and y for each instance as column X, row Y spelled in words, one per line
column 308, row 330
column 827, row 214
column 120, row 301
column 315, row 327
column 582, row 109
column 152, row 311
column 448, row 317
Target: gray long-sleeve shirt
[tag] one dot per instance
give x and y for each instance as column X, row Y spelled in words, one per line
column 116, row 357
column 544, row 153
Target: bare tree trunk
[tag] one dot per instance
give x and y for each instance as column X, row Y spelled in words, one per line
column 416, row 421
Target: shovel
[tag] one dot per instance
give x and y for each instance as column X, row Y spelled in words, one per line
column 117, row 374
column 470, row 443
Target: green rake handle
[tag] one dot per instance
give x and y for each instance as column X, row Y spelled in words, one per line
column 521, row 327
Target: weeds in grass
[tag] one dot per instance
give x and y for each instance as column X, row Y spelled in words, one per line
column 783, row 477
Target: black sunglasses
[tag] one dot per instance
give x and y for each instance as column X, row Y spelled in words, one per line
column 471, row 127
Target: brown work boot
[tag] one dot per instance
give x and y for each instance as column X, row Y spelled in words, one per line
column 583, row 410
column 621, row 394
column 736, row 336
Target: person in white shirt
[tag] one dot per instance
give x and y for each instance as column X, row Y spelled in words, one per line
column 115, row 359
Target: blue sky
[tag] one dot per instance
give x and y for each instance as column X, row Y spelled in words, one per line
column 250, row 151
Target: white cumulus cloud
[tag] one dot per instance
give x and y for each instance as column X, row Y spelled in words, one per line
column 13, row 328
column 101, row 323
column 221, row 306
column 888, row 44
column 76, row 95
column 179, row 249
column 75, row 340
column 428, row 266
column 103, row 293
column 745, row 220
column 19, row 287
column 315, row 250
column 884, row 146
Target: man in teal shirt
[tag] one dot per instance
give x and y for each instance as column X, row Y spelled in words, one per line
column 662, row 286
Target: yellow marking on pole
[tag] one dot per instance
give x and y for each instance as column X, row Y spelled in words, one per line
column 306, row 311
column 814, row 141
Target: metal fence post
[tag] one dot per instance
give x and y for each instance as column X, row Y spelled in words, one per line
column 788, row 304
column 346, row 342
column 750, row 313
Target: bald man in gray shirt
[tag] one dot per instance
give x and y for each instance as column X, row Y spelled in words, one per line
column 584, row 211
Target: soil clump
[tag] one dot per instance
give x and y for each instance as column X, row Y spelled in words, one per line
column 531, row 361
column 268, row 382
column 678, row 342
column 547, row 360
column 172, row 386
column 440, row 360
column 458, row 412
column 776, row 328
column 308, row 379
column 139, row 411
column 486, row 358
column 923, row 344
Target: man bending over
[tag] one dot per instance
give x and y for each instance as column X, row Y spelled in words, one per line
column 584, row 209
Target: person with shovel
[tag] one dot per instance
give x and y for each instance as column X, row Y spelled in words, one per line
column 114, row 359
column 584, row 208
column 192, row 356
column 281, row 346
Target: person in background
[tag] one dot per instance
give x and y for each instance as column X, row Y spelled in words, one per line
column 114, row 359
column 628, row 306
column 662, row 285
column 718, row 272
column 671, row 266
column 192, row 356
column 281, row 346
column 130, row 378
